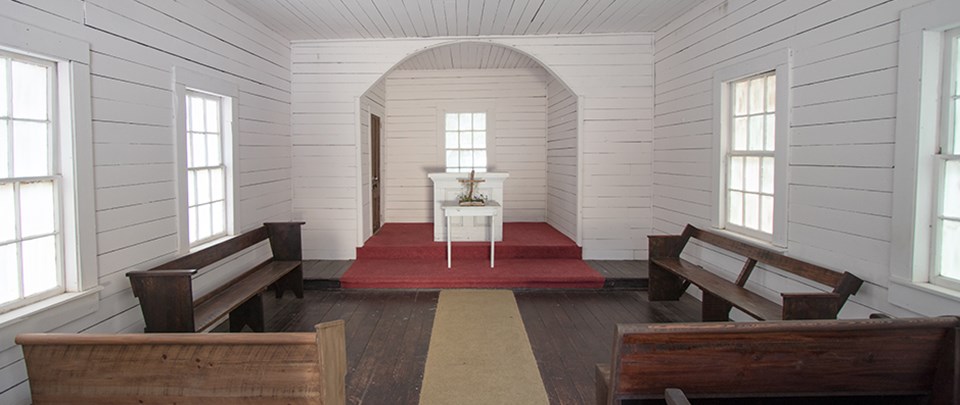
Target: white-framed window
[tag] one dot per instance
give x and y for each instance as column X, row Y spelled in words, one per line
column 946, row 246
column 751, row 104
column 206, row 146
column 924, row 247
column 206, row 170
column 31, row 239
column 465, row 142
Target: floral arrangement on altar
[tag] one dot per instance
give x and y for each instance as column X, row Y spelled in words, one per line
column 469, row 197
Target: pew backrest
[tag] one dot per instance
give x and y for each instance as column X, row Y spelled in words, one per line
column 911, row 357
column 188, row 368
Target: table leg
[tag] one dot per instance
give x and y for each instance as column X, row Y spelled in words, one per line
column 493, row 236
column 448, row 242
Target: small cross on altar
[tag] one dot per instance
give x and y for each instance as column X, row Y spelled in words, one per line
column 471, row 184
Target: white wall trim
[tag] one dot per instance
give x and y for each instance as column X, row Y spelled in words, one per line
column 581, row 142
column 918, row 123
column 780, row 61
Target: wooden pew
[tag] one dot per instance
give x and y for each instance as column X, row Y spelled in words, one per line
column 882, row 360
column 670, row 276
column 166, row 291
column 188, row 368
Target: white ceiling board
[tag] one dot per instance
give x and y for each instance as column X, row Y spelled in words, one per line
column 468, row 55
column 352, row 19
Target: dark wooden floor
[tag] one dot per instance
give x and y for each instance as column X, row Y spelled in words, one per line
column 619, row 274
column 388, row 334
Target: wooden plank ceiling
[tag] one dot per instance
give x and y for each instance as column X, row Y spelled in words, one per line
column 351, row 19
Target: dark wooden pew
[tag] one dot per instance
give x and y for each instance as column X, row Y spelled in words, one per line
column 166, row 291
column 877, row 360
column 188, row 368
column 670, row 276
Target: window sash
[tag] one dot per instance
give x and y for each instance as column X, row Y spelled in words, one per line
column 214, row 222
column 947, row 153
column 765, row 149
column 460, row 167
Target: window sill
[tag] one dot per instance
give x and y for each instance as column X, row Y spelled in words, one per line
column 924, row 298
column 48, row 314
column 760, row 243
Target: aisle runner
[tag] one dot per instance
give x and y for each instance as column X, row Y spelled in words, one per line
column 479, row 352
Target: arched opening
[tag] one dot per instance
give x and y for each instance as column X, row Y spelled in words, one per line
column 532, row 133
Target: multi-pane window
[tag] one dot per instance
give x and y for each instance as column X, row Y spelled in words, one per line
column 947, row 246
column 750, row 156
column 206, row 171
column 466, row 142
column 30, row 230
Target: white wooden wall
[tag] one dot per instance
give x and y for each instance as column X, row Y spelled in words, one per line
column 841, row 139
column 614, row 74
column 562, row 173
column 372, row 102
column 516, row 101
column 133, row 50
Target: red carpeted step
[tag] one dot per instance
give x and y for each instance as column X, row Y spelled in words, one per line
column 471, row 273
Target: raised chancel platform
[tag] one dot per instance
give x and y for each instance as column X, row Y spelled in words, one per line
column 532, row 255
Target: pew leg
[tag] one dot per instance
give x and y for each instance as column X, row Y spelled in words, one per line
column 664, row 285
column 292, row 281
column 249, row 313
column 714, row 309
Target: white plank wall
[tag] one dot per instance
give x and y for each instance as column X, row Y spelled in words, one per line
column 134, row 46
column 841, row 139
column 372, row 102
column 562, row 122
column 517, row 129
column 614, row 73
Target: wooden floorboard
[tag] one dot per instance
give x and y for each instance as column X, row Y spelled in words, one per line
column 388, row 334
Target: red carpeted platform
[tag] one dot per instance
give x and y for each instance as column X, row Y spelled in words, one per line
column 531, row 255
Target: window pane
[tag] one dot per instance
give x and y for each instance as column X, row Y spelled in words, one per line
column 453, row 140
column 466, row 121
column 751, row 211
column 756, row 96
column 752, row 174
column 740, row 98
column 9, row 277
column 4, row 143
column 951, row 189
column 195, row 122
column 956, row 127
column 767, row 176
column 39, row 265
column 29, row 91
column 466, row 158
column 218, row 215
column 480, row 140
column 217, row 188
column 192, row 219
column 771, row 138
column 736, row 173
column 949, row 254
column 213, row 150
column 453, row 123
column 766, row 214
column 735, row 208
column 30, row 155
column 756, row 132
column 37, row 214
column 466, row 140
column 480, row 159
column 740, row 134
column 203, row 187
column 213, row 115
column 453, row 159
column 480, row 122
column 203, row 222
column 3, row 88
column 191, row 188
column 772, row 93
column 8, row 215
column 198, row 150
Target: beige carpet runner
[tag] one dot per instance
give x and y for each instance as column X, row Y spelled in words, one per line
column 479, row 352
